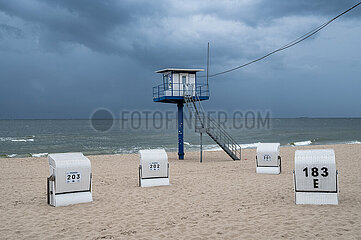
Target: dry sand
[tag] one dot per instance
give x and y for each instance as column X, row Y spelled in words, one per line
column 218, row 199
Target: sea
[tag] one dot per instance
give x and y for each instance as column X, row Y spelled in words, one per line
column 38, row 138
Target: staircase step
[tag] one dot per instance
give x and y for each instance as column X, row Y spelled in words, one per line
column 217, row 137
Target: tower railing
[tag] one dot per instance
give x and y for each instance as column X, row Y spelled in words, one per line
column 177, row 90
column 204, row 123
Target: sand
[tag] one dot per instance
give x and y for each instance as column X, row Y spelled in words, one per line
column 218, row 199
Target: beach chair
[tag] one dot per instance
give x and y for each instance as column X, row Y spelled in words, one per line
column 153, row 168
column 70, row 179
column 315, row 177
column 268, row 159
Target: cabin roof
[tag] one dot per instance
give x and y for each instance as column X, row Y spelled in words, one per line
column 179, row 70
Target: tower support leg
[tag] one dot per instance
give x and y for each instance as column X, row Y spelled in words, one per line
column 180, row 131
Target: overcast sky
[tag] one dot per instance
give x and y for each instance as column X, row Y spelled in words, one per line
column 64, row 59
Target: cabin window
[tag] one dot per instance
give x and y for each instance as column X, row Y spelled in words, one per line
column 184, row 79
column 165, row 81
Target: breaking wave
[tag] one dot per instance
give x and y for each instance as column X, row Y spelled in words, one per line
column 302, row 143
column 352, row 142
column 13, row 139
column 23, row 140
column 39, row 154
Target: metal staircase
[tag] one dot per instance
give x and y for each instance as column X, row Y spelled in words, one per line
column 204, row 123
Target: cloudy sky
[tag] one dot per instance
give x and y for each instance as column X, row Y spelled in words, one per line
column 66, row 58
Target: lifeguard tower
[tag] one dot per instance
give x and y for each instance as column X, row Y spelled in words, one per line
column 181, row 86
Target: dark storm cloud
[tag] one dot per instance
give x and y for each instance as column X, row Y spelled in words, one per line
column 328, row 8
column 115, row 27
column 10, row 30
column 67, row 58
column 87, row 23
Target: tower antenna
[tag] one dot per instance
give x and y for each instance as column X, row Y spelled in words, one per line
column 207, row 63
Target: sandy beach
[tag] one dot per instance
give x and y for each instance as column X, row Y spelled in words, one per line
column 216, row 199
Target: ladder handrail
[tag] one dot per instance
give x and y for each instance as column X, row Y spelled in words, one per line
column 214, row 128
column 219, row 127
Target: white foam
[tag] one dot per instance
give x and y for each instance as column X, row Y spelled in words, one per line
column 38, row 154
column 218, row 148
column 3, row 139
column 23, row 140
column 301, row 143
column 128, row 151
column 11, row 155
column 187, row 143
column 353, row 142
column 250, row 145
column 13, row 139
column 212, row 148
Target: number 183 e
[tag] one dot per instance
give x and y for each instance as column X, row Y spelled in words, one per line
column 315, row 172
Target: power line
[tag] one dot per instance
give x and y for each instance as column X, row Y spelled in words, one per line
column 288, row 45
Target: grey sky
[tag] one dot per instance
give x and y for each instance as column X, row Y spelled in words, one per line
column 64, row 59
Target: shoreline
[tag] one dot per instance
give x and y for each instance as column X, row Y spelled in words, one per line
column 40, row 155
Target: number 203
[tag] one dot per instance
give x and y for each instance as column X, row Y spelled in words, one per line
column 73, row 176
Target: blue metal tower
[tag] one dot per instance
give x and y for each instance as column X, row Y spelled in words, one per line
column 177, row 82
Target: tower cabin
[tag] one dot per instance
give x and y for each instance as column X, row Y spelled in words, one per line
column 176, row 83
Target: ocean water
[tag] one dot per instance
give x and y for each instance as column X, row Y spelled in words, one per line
column 25, row 138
